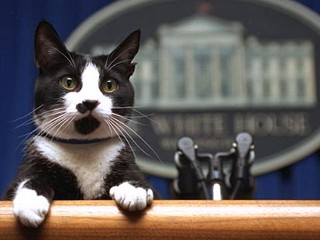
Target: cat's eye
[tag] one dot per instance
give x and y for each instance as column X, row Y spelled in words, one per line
column 69, row 83
column 109, row 86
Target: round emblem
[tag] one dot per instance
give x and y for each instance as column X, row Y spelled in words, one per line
column 211, row 69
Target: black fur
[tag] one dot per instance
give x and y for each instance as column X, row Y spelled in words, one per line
column 86, row 125
column 55, row 61
column 57, row 183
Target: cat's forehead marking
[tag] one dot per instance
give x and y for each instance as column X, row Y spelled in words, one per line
column 90, row 72
column 90, row 81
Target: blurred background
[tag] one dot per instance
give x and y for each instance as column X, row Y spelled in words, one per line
column 18, row 20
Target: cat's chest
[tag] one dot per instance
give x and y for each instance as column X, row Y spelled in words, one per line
column 90, row 163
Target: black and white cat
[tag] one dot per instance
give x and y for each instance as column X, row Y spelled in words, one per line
column 82, row 107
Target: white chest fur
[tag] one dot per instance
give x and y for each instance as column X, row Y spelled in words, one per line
column 89, row 162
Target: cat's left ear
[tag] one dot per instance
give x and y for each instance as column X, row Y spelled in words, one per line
column 126, row 51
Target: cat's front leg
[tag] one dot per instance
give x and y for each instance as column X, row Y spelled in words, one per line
column 130, row 197
column 30, row 207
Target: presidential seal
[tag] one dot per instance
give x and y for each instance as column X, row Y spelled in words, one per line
column 211, row 69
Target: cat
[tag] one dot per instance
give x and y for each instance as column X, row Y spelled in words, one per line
column 82, row 106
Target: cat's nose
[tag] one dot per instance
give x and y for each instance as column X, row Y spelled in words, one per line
column 87, row 105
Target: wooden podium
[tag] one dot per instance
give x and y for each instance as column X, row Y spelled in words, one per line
column 171, row 219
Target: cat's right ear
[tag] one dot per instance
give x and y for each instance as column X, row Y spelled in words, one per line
column 48, row 46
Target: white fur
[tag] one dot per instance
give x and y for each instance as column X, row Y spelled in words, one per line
column 90, row 163
column 130, row 197
column 90, row 91
column 30, row 208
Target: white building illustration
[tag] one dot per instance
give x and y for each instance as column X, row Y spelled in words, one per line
column 206, row 62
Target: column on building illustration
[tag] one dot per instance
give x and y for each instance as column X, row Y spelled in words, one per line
column 165, row 65
column 240, row 71
column 290, row 72
column 191, row 82
column 202, row 71
column 254, row 69
column 216, row 86
column 273, row 76
column 146, row 80
column 306, row 73
column 256, row 74
column 235, row 74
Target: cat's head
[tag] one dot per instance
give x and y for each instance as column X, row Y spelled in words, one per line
column 82, row 96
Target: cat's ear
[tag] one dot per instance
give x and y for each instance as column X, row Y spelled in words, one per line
column 126, row 51
column 48, row 46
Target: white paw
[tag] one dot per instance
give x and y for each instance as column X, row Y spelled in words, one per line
column 30, row 208
column 130, row 197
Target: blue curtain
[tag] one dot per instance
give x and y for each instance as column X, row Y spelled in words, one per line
column 18, row 19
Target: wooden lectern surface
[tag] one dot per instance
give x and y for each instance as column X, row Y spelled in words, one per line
column 171, row 219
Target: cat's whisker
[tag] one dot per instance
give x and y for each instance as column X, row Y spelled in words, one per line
column 26, row 123
column 111, row 128
column 130, row 139
column 50, row 113
column 109, row 56
column 49, row 126
column 140, row 114
column 35, row 130
column 63, row 124
column 123, row 126
column 29, row 121
column 58, row 122
column 52, row 118
column 26, row 115
column 145, row 116
column 70, row 59
column 55, row 107
column 118, row 63
column 122, row 134
column 118, row 57
column 25, row 138
column 127, row 119
column 122, row 107
column 107, row 64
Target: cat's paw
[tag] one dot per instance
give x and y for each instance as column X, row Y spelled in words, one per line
column 130, row 197
column 30, row 208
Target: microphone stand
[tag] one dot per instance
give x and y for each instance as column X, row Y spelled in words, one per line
column 233, row 183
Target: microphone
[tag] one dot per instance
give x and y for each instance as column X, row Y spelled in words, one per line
column 190, row 177
column 241, row 179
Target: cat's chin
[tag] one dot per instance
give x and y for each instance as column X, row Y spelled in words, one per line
column 86, row 125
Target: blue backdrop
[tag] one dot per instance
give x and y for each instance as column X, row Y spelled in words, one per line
column 18, row 19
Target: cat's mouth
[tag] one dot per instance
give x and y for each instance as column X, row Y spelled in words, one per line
column 86, row 125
